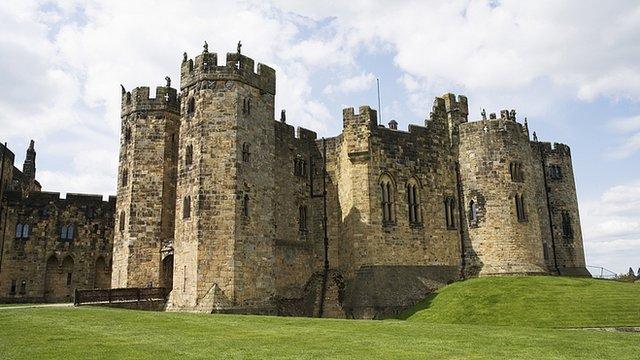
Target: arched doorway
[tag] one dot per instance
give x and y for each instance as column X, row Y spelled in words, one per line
column 68, row 279
column 52, row 281
column 166, row 279
column 102, row 275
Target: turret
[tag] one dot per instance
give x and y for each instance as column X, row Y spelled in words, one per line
column 29, row 168
column 146, row 187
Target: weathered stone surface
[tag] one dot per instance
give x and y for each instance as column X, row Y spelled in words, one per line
column 250, row 213
column 40, row 264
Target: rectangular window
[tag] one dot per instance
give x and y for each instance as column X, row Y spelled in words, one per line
column 69, row 279
column 13, row 287
column 449, row 211
column 567, row 228
column 303, row 218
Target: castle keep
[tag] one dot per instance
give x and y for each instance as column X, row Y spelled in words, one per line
column 237, row 212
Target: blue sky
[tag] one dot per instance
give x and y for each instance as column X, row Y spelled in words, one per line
column 576, row 79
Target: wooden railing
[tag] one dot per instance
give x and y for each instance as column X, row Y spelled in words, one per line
column 97, row 296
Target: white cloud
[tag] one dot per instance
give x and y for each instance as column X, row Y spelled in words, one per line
column 629, row 129
column 352, row 84
column 611, row 227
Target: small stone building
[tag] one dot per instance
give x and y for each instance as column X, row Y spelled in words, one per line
column 237, row 212
column 50, row 246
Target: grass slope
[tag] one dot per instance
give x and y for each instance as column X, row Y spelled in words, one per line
column 536, row 301
column 102, row 333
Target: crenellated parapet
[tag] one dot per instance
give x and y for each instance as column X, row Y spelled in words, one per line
column 456, row 105
column 139, row 99
column 237, row 67
column 555, row 149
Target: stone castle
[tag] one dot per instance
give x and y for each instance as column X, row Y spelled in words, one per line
column 49, row 245
column 237, row 212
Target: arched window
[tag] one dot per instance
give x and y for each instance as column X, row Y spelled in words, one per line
column 473, row 211
column 188, row 155
column 299, row 166
column 121, row 221
column 186, row 207
column 22, row 231
column 191, row 106
column 302, row 218
column 245, row 205
column 520, row 208
column 67, row 232
column 413, row 201
column 125, row 177
column 246, row 153
column 387, row 197
column 449, row 212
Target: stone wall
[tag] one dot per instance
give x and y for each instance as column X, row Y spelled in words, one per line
column 566, row 252
column 224, row 248
column 499, row 241
column 146, row 186
column 49, row 266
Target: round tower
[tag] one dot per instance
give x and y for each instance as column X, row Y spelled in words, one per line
column 225, row 189
column 500, row 214
column 146, row 187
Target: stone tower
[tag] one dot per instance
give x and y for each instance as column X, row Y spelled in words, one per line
column 499, row 187
column 224, row 237
column 145, row 206
column 29, row 166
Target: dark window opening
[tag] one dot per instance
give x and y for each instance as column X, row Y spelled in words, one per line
column 23, row 287
column 567, row 228
column 555, row 172
column 517, row 171
column 387, row 197
column 246, row 153
column 191, row 106
column 125, row 177
column 246, row 106
column 245, row 205
column 299, row 167
column 520, row 208
column 12, row 291
column 449, row 212
column 302, row 218
column 473, row 211
column 67, row 232
column 186, row 207
column 22, row 231
column 121, row 221
column 413, row 200
column 69, row 279
column 127, row 135
column 188, row 155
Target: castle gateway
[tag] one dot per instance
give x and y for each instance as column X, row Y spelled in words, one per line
column 235, row 212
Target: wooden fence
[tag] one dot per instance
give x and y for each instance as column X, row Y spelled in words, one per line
column 98, row 296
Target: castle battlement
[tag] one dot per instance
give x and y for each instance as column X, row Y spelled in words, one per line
column 554, row 148
column 237, row 67
column 455, row 104
column 492, row 125
column 44, row 198
column 288, row 133
column 139, row 99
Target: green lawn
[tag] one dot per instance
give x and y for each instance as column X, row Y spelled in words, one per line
column 460, row 322
column 102, row 333
column 536, row 301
